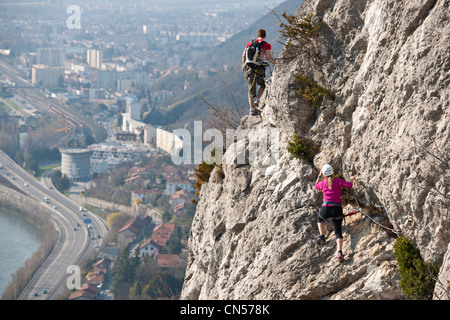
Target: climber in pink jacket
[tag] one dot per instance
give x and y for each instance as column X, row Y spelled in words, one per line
column 331, row 207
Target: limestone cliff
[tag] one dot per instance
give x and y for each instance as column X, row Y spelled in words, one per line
column 388, row 63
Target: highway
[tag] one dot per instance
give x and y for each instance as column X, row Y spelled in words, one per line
column 76, row 240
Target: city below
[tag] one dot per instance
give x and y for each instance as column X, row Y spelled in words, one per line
column 83, row 89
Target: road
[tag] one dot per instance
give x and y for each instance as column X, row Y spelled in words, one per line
column 76, row 240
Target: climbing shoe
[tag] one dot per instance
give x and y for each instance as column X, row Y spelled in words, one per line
column 253, row 111
column 341, row 257
column 320, row 240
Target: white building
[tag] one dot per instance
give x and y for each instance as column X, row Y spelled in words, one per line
column 99, row 166
column 131, row 125
column 115, row 153
column 168, row 141
column 95, row 58
column 109, row 79
column 145, row 195
column 131, row 119
column 124, row 85
column 150, row 248
column 53, row 57
column 43, row 75
column 76, row 164
column 133, row 108
column 175, row 184
column 149, row 134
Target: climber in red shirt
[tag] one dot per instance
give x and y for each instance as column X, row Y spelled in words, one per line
column 255, row 67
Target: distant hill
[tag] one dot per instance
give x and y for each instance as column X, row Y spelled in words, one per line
column 231, row 50
column 187, row 105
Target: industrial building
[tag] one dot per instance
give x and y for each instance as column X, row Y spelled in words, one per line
column 76, row 164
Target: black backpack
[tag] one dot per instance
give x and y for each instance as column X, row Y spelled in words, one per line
column 253, row 54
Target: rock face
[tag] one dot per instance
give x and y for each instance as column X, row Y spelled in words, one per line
column 388, row 64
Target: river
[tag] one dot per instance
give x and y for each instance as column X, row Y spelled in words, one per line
column 18, row 240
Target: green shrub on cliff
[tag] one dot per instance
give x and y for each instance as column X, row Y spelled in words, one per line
column 302, row 148
column 311, row 91
column 301, row 35
column 417, row 277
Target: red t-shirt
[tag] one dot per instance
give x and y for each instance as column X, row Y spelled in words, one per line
column 266, row 46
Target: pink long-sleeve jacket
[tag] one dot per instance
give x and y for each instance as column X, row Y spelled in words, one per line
column 333, row 194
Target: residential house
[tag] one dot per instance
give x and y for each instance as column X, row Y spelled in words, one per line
column 180, row 200
column 170, row 171
column 137, row 174
column 161, row 234
column 164, row 230
column 104, row 265
column 96, row 278
column 138, row 171
column 150, row 248
column 110, row 251
column 169, row 261
column 134, row 179
column 146, row 195
column 181, row 196
column 86, row 292
column 133, row 230
column 161, row 241
column 173, row 184
column 180, row 209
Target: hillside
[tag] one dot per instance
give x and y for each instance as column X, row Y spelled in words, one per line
column 222, row 67
column 388, row 125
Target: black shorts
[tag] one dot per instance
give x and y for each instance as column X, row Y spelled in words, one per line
column 336, row 215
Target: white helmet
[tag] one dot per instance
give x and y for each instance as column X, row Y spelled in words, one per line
column 327, row 170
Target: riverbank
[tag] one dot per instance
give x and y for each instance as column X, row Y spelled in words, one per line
column 19, row 239
column 17, row 204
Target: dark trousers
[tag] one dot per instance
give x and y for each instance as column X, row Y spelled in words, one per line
column 336, row 215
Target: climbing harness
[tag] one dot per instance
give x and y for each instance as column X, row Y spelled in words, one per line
column 265, row 64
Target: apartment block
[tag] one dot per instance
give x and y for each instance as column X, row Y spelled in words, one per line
column 46, row 76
